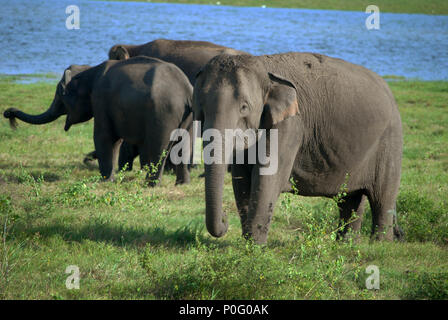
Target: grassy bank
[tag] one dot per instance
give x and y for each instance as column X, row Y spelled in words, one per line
column 398, row 6
column 133, row 242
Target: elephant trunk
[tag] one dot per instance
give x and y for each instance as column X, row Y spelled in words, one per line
column 215, row 218
column 55, row 111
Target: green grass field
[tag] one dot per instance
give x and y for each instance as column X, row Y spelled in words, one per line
column 133, row 242
column 402, row 6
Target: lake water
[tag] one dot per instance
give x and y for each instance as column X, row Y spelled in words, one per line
column 34, row 38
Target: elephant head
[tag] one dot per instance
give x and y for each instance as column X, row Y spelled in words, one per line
column 119, row 52
column 63, row 103
column 237, row 92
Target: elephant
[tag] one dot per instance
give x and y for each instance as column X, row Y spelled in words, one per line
column 56, row 107
column 336, row 123
column 188, row 55
column 140, row 100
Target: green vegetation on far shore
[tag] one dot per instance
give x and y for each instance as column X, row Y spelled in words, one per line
column 439, row 7
column 134, row 242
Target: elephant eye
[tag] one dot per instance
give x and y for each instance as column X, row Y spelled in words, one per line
column 244, row 109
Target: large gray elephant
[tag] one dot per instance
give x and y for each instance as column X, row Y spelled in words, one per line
column 189, row 56
column 334, row 119
column 140, row 100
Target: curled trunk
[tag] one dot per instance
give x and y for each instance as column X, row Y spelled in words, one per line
column 55, row 111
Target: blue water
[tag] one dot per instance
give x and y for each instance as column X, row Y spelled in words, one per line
column 34, row 39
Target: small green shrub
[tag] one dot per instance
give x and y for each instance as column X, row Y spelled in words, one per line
column 427, row 286
column 421, row 218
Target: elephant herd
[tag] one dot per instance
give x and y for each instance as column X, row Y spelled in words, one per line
column 335, row 124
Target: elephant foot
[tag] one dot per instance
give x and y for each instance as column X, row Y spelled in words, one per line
column 256, row 238
column 398, row 233
column 348, row 236
column 182, row 181
column 153, row 183
column 125, row 167
column 383, row 235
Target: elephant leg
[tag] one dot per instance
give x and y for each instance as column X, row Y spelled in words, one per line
column 182, row 174
column 382, row 203
column 182, row 170
column 241, row 181
column 265, row 190
column 382, row 219
column 107, row 152
column 383, row 191
column 398, row 232
column 351, row 210
column 155, row 163
column 169, row 166
column 128, row 153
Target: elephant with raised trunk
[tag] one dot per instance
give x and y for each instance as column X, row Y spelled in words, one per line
column 56, row 108
column 333, row 119
column 140, row 100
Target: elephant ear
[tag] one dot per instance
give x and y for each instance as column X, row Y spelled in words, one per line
column 67, row 77
column 281, row 102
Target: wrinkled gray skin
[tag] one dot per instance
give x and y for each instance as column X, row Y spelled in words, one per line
column 189, row 56
column 333, row 118
column 125, row 98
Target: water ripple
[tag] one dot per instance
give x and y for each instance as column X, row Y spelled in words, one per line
column 34, row 38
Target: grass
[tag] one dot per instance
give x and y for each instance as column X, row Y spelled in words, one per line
column 398, row 6
column 134, row 242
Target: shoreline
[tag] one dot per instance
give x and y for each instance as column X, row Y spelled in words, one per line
column 431, row 7
column 49, row 77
